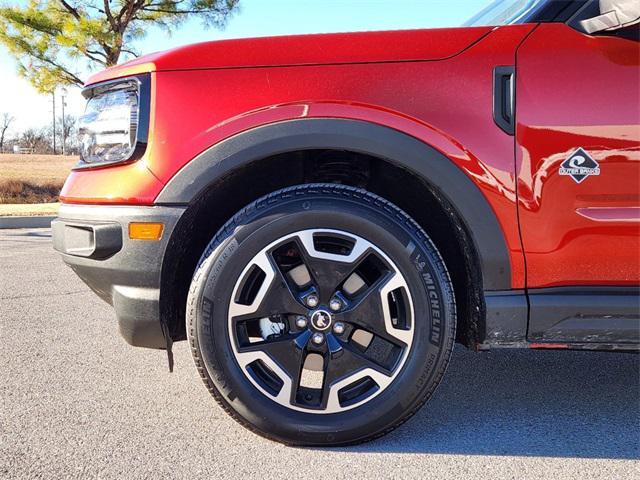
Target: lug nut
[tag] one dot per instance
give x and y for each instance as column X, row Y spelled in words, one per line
column 335, row 304
column 338, row 328
column 301, row 322
column 312, row 301
column 317, row 338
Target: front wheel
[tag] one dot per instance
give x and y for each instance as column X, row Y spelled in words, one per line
column 321, row 315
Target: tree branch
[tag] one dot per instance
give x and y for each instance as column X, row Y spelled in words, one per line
column 88, row 54
column 71, row 10
column 130, row 52
column 157, row 4
column 109, row 15
column 25, row 22
column 97, row 52
column 179, row 12
column 70, row 76
column 128, row 10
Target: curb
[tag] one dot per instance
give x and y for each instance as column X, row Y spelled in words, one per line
column 26, row 222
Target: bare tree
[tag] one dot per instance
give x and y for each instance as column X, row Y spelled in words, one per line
column 36, row 139
column 5, row 123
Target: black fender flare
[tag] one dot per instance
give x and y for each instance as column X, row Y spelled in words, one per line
column 362, row 137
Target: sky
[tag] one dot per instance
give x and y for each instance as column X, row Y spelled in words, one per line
column 255, row 18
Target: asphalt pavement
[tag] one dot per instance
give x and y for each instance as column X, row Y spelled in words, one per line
column 77, row 402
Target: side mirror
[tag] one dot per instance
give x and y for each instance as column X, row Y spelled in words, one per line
column 614, row 14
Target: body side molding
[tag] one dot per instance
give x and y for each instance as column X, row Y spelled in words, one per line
column 579, row 317
column 585, row 314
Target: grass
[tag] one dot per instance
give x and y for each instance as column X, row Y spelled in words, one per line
column 32, row 179
column 36, row 168
column 28, row 209
column 17, row 191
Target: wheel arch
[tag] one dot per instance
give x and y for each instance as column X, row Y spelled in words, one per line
column 357, row 136
column 241, row 156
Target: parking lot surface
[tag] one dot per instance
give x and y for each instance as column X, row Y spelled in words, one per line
column 77, row 402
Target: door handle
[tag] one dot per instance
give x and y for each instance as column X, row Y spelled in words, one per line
column 504, row 98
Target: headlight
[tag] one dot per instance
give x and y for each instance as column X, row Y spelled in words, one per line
column 114, row 126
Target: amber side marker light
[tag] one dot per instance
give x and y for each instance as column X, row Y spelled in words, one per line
column 145, row 231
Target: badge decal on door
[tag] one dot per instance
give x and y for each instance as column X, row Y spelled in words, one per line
column 579, row 165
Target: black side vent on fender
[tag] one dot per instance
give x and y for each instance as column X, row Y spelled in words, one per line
column 504, row 103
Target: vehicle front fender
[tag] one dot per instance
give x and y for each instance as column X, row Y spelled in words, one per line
column 358, row 136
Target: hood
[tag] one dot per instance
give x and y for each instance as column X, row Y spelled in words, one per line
column 318, row 49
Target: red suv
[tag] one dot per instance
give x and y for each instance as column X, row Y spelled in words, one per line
column 322, row 216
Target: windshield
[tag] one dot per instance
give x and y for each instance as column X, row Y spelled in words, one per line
column 506, row 12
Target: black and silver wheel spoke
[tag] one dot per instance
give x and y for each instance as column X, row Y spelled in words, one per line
column 371, row 312
column 329, row 263
column 273, row 297
column 346, row 367
column 325, row 273
column 282, row 356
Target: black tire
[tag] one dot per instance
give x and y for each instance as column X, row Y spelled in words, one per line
column 331, row 207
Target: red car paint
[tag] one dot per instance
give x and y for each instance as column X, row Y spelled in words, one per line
column 587, row 94
column 549, row 346
column 437, row 86
column 299, row 50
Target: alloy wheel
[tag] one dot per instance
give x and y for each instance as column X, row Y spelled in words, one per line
column 321, row 321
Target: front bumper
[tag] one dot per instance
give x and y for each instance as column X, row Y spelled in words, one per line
column 94, row 242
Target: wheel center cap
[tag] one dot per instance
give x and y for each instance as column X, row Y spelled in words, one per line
column 321, row 320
